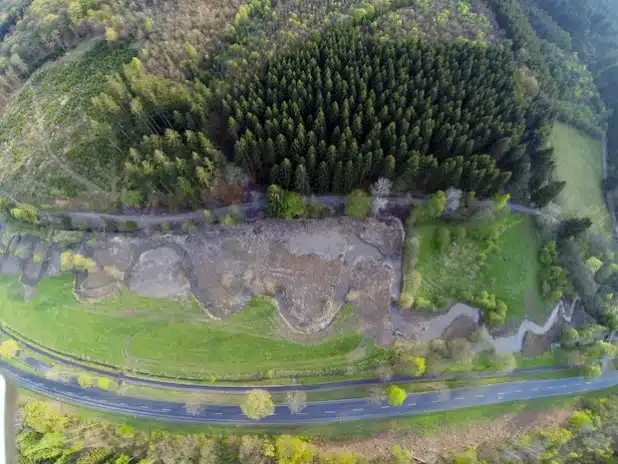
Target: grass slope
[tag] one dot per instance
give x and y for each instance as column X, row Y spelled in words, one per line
column 580, row 164
column 510, row 272
column 165, row 336
column 46, row 136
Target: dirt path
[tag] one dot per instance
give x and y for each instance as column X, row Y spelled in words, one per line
column 426, row 329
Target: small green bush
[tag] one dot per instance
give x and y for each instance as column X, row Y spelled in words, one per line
column 165, row 227
column 227, row 220
column 442, row 238
column 406, row 301
column 132, row 198
column 130, row 226
column 26, row 212
column 357, row 203
column 189, row 226
column 209, row 218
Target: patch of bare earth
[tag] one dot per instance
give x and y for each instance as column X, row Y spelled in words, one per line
column 452, row 440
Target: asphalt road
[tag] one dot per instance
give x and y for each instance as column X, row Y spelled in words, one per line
column 315, row 412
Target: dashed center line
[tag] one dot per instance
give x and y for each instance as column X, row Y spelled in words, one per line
column 535, row 389
column 384, row 407
column 329, row 412
column 519, row 391
column 480, row 396
column 358, row 410
column 412, row 404
column 218, row 413
column 459, row 398
column 435, row 401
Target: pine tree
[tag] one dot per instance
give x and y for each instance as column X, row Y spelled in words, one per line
column 322, row 178
column 547, row 193
column 269, row 152
column 349, row 177
column 301, row 181
column 286, row 173
column 389, row 167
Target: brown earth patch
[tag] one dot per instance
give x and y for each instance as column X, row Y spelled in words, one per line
column 461, row 327
column 535, row 345
column 308, row 266
column 430, row 448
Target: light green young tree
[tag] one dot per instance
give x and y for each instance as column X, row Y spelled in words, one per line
column 396, row 395
column 257, row 404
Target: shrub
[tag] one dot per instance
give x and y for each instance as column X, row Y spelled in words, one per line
column 317, row 210
column 110, row 225
column 130, row 226
column 26, row 212
column 189, row 226
column 415, row 365
column 357, row 203
column 406, row 301
column 569, row 338
column 132, row 198
column 165, row 227
column 209, row 218
column 594, row 263
column 442, row 238
column 459, row 234
column 86, row 380
column 591, row 370
column 67, row 223
column 227, row 220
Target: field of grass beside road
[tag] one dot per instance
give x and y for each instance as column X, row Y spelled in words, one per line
column 510, row 272
column 165, row 336
column 580, row 163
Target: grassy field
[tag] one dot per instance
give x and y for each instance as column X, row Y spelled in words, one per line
column 510, row 271
column 580, row 163
column 167, row 337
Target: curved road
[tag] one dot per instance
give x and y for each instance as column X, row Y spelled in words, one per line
column 315, row 412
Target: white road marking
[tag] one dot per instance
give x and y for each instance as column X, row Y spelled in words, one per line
column 519, row 391
column 435, row 401
column 459, row 398
column 303, row 413
column 480, row 396
column 166, row 410
column 535, row 389
column 412, row 404
column 358, row 410
column 588, row 383
column 384, row 407
column 218, row 413
column 329, row 412
column 550, row 388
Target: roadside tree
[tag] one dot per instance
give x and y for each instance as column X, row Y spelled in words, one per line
column 297, row 401
column 257, row 404
column 396, row 395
